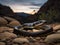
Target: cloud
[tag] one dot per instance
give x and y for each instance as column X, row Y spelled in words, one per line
column 23, row 4
column 34, row 7
column 36, row 4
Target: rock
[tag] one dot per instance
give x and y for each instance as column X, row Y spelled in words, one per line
column 2, row 43
column 34, row 30
column 5, row 10
column 9, row 18
column 21, row 40
column 6, row 29
column 56, row 27
column 31, row 39
column 36, row 43
column 38, row 38
column 58, row 31
column 57, row 44
column 3, row 21
column 7, row 35
column 14, row 23
column 53, row 38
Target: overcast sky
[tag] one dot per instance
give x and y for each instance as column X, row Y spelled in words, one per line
column 23, row 5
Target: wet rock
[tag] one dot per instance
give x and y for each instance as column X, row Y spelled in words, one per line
column 34, row 30
column 21, row 40
column 6, row 29
column 6, row 35
column 53, row 38
column 2, row 43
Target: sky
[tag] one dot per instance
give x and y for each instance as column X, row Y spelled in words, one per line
column 26, row 6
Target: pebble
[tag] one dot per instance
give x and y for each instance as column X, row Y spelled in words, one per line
column 9, row 18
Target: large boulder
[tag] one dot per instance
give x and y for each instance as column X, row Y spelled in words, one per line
column 14, row 23
column 20, row 40
column 9, row 18
column 6, row 29
column 57, row 27
column 53, row 38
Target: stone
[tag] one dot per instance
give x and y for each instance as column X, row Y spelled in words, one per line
column 15, row 44
column 58, row 31
column 31, row 39
column 14, row 23
column 34, row 30
column 3, row 21
column 56, row 27
column 6, row 29
column 53, row 38
column 9, row 18
column 6, row 35
column 21, row 40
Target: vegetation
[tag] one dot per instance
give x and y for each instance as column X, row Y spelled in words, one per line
column 51, row 16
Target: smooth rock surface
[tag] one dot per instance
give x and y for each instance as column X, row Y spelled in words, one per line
column 6, row 29
column 7, row 35
column 52, row 38
column 21, row 40
column 14, row 23
column 3, row 21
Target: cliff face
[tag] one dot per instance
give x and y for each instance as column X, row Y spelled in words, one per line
column 50, row 4
column 52, row 8
column 5, row 10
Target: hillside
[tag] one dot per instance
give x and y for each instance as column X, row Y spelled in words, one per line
column 50, row 11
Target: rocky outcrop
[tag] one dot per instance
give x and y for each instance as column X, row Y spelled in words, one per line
column 5, row 10
column 51, row 7
column 54, row 4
